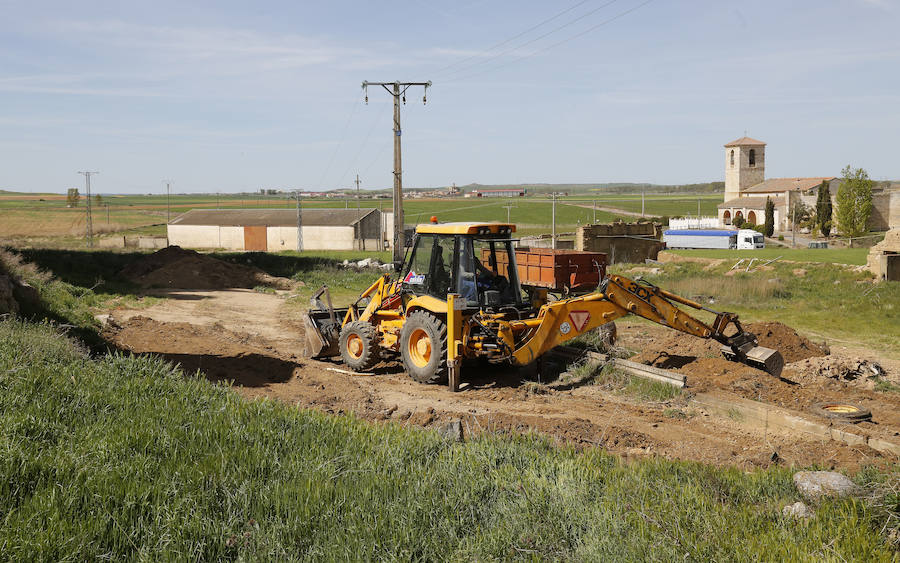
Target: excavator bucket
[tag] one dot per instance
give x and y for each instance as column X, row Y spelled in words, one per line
column 322, row 332
column 323, row 325
column 760, row 357
column 766, row 359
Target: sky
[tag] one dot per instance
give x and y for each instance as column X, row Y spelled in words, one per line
column 235, row 96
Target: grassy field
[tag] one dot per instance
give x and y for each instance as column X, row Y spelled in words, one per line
column 855, row 256
column 658, row 205
column 126, row 458
column 46, row 215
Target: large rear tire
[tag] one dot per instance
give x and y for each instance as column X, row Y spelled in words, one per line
column 359, row 346
column 423, row 347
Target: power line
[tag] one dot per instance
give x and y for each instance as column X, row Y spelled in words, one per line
column 513, row 38
column 340, row 142
column 552, row 45
column 365, row 143
column 538, row 38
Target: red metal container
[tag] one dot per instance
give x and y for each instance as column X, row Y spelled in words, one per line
column 557, row 270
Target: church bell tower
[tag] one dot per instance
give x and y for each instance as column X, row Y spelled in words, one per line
column 745, row 165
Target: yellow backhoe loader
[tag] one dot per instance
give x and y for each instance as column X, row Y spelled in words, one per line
column 457, row 295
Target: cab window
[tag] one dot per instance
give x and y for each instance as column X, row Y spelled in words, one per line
column 430, row 269
column 416, row 273
column 484, row 265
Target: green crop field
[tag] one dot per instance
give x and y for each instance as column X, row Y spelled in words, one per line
column 658, row 205
column 46, row 215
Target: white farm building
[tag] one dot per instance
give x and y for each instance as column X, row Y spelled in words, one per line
column 276, row 229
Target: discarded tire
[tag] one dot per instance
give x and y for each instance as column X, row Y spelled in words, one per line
column 842, row 411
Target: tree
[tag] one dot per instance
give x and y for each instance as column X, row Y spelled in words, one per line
column 98, row 200
column 854, row 202
column 823, row 209
column 769, row 225
column 72, row 197
column 738, row 221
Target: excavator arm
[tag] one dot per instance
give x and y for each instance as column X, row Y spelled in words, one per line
column 560, row 321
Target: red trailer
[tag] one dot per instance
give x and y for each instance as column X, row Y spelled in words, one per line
column 564, row 271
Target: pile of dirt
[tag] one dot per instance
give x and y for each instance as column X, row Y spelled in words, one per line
column 175, row 267
column 677, row 349
column 854, row 371
column 783, row 338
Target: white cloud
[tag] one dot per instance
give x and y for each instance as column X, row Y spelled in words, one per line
column 214, row 49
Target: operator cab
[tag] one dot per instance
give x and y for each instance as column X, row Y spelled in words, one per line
column 475, row 260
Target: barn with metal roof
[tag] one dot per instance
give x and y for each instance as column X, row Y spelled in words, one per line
column 276, row 229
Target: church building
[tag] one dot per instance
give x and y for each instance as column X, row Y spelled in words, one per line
column 746, row 187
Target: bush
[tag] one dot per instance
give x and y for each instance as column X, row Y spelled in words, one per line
column 780, row 237
column 854, row 202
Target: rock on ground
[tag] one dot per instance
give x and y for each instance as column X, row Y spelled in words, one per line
column 857, row 371
column 452, row 431
column 798, row 510
column 813, row 485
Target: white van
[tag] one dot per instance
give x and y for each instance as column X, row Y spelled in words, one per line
column 748, row 239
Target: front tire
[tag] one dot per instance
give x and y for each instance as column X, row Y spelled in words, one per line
column 359, row 346
column 423, row 347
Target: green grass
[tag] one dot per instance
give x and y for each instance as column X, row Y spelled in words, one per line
column 127, row 458
column 657, row 205
column 637, row 387
column 854, row 256
column 531, row 215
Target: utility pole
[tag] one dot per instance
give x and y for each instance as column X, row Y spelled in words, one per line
column 398, row 91
column 508, row 206
column 89, row 227
column 107, row 214
column 553, row 235
column 217, row 200
column 793, row 226
column 299, row 225
column 698, row 213
column 358, row 226
column 642, row 202
column 168, row 208
column 595, row 212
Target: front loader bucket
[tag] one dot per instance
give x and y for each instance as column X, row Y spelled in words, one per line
column 766, row 359
column 322, row 332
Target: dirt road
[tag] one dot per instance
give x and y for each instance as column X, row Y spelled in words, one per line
column 255, row 339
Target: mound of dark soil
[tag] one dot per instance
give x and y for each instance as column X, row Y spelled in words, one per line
column 175, row 267
column 786, row 340
column 679, row 349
